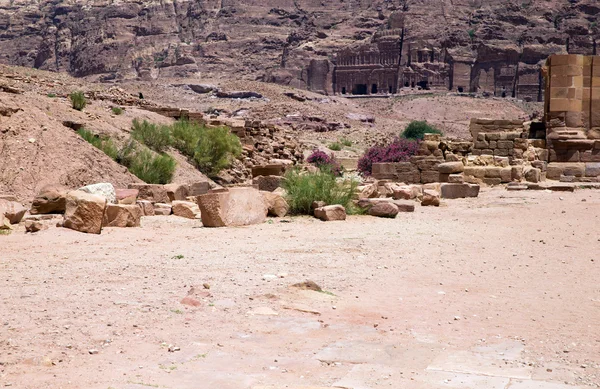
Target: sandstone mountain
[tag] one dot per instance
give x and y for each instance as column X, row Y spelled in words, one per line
column 276, row 40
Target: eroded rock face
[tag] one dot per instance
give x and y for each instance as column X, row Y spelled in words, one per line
column 149, row 39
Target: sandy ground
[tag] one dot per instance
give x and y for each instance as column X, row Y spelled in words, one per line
column 496, row 292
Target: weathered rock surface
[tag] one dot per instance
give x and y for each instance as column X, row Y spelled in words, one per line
column 146, row 207
column 126, row 196
column 122, row 215
column 185, row 209
column 331, row 213
column 162, row 209
column 34, row 225
column 152, row 192
column 84, row 212
column 177, row 191
column 106, row 190
column 268, row 183
column 430, row 198
column 384, row 209
column 12, row 210
column 276, row 204
column 451, row 167
column 50, row 199
column 233, row 207
column 459, row 191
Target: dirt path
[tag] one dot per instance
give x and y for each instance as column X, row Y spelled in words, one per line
column 495, row 292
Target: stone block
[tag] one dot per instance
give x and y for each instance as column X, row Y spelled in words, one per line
column 12, row 210
column 126, row 196
column 198, row 188
column 443, row 177
column 84, row 212
column 234, row 207
column 276, row 204
column 481, row 144
column 592, row 169
column 162, row 209
column 475, row 171
column 492, row 181
column 532, row 174
column 267, row 183
column 451, row 167
column 186, row 209
column 505, row 144
column 516, row 173
column 493, row 144
column 506, row 174
column 105, row 189
column 122, row 215
column 457, row 191
column 384, row 209
column 494, row 136
column 146, row 207
column 50, row 199
column 501, row 152
column 429, row 176
column 557, row 169
column 268, row 170
column 430, row 198
column 493, row 172
column 331, row 213
column 177, row 192
column 151, row 192
column 456, row 178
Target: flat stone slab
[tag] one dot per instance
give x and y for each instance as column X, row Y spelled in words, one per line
column 486, row 361
column 353, row 352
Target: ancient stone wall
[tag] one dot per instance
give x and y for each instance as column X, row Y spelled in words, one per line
column 572, row 108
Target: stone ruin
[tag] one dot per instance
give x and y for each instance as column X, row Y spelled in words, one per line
column 564, row 147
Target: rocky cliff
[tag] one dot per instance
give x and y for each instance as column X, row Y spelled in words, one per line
column 276, row 40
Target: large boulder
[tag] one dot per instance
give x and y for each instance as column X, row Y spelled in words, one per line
column 276, row 204
column 104, row 189
column 233, row 207
column 50, row 199
column 384, row 209
column 84, row 212
column 459, row 191
column 122, row 215
column 151, row 192
column 12, row 210
column 185, row 209
column 198, row 188
column 331, row 213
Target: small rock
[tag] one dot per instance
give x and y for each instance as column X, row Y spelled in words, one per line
column 93, row 351
column 172, row 348
column 206, row 285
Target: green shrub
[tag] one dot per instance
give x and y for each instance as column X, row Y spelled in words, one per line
column 117, row 110
column 158, row 138
column 51, row 95
column 417, row 129
column 104, row 144
column 215, row 150
column 346, row 142
column 78, row 100
column 335, row 146
column 305, row 188
column 186, row 136
column 151, row 168
column 126, row 154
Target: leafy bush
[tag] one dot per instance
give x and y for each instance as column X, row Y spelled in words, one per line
column 186, row 136
column 78, row 100
column 158, row 138
column 117, row 110
column 417, row 129
column 335, row 146
column 151, row 168
column 346, row 142
column 104, row 144
column 305, row 188
column 325, row 162
column 51, row 95
column 215, row 149
column 400, row 150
